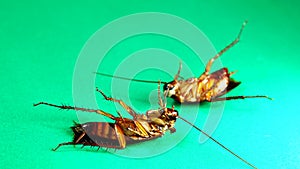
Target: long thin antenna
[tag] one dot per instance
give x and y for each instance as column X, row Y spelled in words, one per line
column 207, row 135
column 125, row 78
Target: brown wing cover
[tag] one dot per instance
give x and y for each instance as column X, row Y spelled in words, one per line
column 223, row 75
column 102, row 134
column 215, row 85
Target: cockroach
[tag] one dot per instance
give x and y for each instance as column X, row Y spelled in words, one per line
column 208, row 87
column 125, row 131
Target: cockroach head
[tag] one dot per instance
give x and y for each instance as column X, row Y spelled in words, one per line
column 171, row 114
column 170, row 88
column 170, row 118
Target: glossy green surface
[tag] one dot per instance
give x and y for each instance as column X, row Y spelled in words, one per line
column 41, row 41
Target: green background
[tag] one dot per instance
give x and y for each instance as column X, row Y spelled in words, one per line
column 40, row 42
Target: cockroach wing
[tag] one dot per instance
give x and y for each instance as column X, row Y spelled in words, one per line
column 217, row 84
column 99, row 134
column 223, row 75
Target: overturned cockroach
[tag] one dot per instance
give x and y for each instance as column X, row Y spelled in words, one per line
column 124, row 131
column 207, row 87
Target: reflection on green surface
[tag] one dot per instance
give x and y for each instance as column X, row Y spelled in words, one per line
column 42, row 40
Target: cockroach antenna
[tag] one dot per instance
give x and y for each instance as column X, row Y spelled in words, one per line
column 214, row 140
column 130, row 79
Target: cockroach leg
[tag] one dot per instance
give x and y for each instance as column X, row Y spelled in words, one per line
column 178, row 72
column 124, row 105
column 63, row 144
column 160, row 100
column 120, row 115
column 208, row 66
column 78, row 108
column 80, row 137
column 237, row 97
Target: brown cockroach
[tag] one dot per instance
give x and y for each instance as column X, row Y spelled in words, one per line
column 125, row 131
column 207, row 87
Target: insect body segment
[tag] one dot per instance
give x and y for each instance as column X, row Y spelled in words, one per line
column 207, row 87
column 123, row 131
column 98, row 134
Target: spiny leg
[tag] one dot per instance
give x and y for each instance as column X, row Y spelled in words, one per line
column 85, row 144
column 237, row 97
column 120, row 115
column 160, row 100
column 178, row 72
column 208, row 66
column 77, row 108
column 63, row 144
column 80, row 137
column 124, row 105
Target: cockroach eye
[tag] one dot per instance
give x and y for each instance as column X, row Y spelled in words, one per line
column 168, row 86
